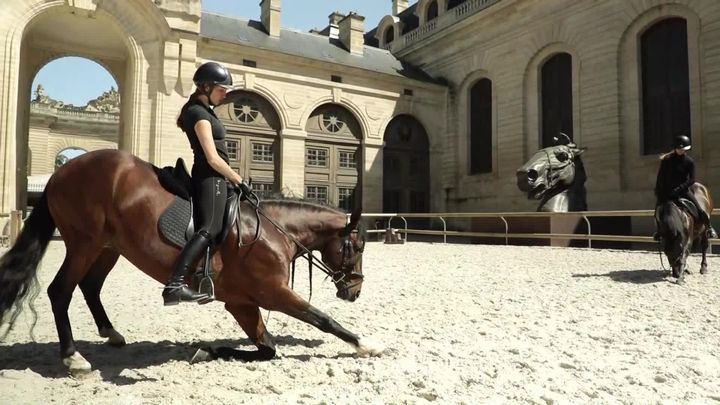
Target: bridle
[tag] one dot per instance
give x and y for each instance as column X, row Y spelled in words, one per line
column 551, row 174
column 353, row 278
column 344, row 278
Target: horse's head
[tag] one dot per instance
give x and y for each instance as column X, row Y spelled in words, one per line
column 673, row 228
column 343, row 254
column 549, row 169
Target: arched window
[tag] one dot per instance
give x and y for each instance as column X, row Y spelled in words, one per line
column 556, row 98
column 67, row 154
column 481, row 127
column 454, row 3
column 432, row 11
column 389, row 35
column 665, row 84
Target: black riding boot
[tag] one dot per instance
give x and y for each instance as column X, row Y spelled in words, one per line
column 176, row 291
column 710, row 231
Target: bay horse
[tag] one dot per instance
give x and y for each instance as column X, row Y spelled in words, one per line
column 107, row 203
column 556, row 176
column 678, row 229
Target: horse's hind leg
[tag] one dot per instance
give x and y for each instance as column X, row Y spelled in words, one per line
column 91, row 285
column 73, row 270
column 251, row 322
column 704, row 245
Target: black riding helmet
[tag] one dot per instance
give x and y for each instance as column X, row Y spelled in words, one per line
column 682, row 142
column 212, row 73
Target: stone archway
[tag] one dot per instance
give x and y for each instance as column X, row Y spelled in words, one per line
column 406, row 166
column 127, row 39
column 333, row 169
column 252, row 140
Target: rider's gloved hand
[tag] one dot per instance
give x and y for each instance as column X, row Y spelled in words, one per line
column 244, row 189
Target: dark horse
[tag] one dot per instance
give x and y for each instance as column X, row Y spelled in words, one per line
column 556, row 176
column 107, row 203
column 679, row 227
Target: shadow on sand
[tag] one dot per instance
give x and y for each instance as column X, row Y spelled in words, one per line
column 633, row 276
column 120, row 366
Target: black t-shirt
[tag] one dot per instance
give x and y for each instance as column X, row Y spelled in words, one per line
column 195, row 112
column 676, row 174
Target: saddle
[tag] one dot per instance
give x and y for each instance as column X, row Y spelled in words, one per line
column 685, row 205
column 176, row 224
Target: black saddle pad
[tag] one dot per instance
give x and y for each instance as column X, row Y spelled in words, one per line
column 173, row 223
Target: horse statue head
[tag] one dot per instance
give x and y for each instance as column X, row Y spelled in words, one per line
column 556, row 176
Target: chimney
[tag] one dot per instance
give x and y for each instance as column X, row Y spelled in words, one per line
column 352, row 29
column 270, row 16
column 334, row 30
column 399, row 6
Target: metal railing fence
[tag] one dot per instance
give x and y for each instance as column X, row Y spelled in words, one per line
column 503, row 216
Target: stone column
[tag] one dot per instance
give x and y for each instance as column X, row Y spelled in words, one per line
column 372, row 178
column 292, row 162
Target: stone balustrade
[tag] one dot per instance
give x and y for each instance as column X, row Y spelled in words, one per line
column 445, row 20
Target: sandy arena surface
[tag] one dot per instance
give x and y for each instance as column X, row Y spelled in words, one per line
column 461, row 323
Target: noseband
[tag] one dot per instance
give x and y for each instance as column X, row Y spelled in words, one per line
column 347, row 263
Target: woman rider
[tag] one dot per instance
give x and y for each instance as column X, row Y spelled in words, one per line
column 210, row 170
column 676, row 175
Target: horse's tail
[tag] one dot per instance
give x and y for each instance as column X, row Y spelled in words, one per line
column 18, row 267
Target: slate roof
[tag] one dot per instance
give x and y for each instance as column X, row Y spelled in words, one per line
column 307, row 45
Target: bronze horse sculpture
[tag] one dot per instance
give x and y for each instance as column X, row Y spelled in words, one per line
column 679, row 227
column 556, row 176
column 107, row 203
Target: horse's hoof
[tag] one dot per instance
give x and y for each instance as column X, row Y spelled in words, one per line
column 202, row 355
column 703, row 270
column 76, row 365
column 369, row 348
column 114, row 338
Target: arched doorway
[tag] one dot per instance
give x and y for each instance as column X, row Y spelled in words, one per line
column 406, row 166
column 252, row 127
column 332, row 157
column 124, row 38
column 75, row 108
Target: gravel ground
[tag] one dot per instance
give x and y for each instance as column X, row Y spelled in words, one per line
column 461, row 323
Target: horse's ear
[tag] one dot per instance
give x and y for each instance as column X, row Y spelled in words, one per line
column 579, row 151
column 354, row 219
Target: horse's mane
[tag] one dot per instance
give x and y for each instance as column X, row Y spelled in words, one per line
column 670, row 219
column 312, row 205
column 301, row 203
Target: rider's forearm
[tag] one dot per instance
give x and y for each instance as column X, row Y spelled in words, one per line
column 225, row 170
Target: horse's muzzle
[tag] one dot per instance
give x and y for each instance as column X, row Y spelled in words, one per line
column 348, row 294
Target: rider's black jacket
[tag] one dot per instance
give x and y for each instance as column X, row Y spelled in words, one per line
column 676, row 175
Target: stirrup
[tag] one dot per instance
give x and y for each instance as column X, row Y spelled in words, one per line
column 175, row 294
column 206, row 287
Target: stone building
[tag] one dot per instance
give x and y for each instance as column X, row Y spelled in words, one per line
column 432, row 110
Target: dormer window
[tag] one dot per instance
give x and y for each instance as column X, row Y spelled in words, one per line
column 389, row 35
column 432, row 11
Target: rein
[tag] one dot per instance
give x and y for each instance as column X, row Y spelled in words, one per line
column 337, row 276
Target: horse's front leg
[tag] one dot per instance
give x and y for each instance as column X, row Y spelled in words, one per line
column 704, row 245
column 251, row 322
column 682, row 265
column 288, row 302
